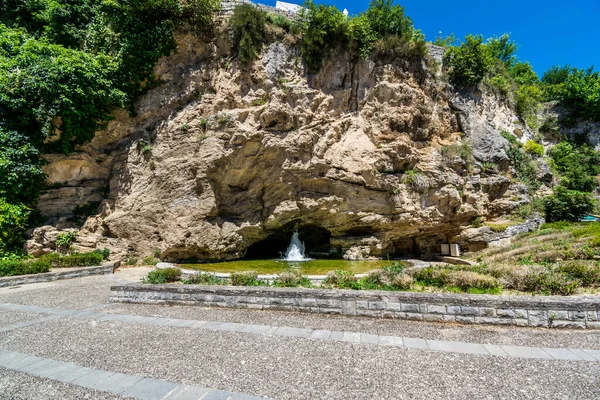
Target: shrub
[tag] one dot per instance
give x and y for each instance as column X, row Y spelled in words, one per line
column 324, row 29
column 588, row 274
column 23, row 267
column 498, row 227
column 248, row 26
column 280, row 21
column 527, row 103
column 568, row 205
column 74, row 260
column 150, row 260
column 577, row 165
column 534, row 148
column 247, row 278
column 14, row 219
column 469, row 62
column 205, row 279
column 131, row 261
column 292, row 279
column 105, row 253
column 64, row 240
column 341, row 280
column 160, row 276
column 465, row 280
column 401, row 282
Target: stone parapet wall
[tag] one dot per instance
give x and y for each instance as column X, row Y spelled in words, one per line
column 54, row 276
column 548, row 312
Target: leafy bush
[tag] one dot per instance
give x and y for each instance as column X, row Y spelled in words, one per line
column 341, row 280
column 577, row 165
column 131, row 261
column 523, row 162
column 74, row 260
column 21, row 175
column 205, row 279
column 13, row 223
column 527, row 103
column 105, row 253
column 248, row 26
column 568, row 205
column 324, row 28
column 160, row 276
column 247, row 278
column 150, row 260
column 534, row 148
column 64, row 240
column 588, row 274
column 469, row 62
column 465, row 280
column 23, row 267
column 292, row 279
column 581, row 93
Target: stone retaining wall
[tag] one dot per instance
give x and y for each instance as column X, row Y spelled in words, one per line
column 549, row 312
column 54, row 276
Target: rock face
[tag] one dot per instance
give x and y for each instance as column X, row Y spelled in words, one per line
column 224, row 161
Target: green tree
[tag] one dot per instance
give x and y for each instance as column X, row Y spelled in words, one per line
column 324, row 29
column 14, row 219
column 503, row 49
column 21, row 175
column 568, row 205
column 248, row 26
column 469, row 62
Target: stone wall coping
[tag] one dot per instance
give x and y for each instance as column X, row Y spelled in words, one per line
column 56, row 275
column 474, row 300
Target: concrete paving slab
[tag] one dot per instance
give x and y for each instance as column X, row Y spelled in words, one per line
column 562, row 354
column 369, row 338
column 415, row 343
column 297, row 332
column 118, row 383
column 256, row 329
column 352, row 337
column 526, row 352
column 198, row 324
column 21, row 360
column 71, row 372
column 216, row 395
column 181, row 323
column 231, row 326
column 320, row 334
column 593, row 353
column 184, row 392
column 150, row 389
column 32, row 367
column 391, row 341
column 336, row 335
column 495, row 350
column 457, row 347
column 95, row 379
column 212, row 325
column 583, row 355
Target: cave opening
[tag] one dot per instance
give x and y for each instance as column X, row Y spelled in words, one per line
column 316, row 239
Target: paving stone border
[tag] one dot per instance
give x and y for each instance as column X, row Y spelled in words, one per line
column 56, row 275
column 127, row 385
column 533, row 311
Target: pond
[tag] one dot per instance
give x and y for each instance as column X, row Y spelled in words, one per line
column 310, row 267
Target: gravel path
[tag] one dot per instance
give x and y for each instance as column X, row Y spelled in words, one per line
column 277, row 366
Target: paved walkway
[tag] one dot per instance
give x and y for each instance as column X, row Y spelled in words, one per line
column 65, row 332
column 486, row 349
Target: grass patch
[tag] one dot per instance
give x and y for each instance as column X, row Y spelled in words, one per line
column 247, row 278
column 205, row 279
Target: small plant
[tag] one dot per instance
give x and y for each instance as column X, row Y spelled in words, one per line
column 205, row 279
column 202, row 138
column 477, row 222
column 156, row 253
column 203, row 123
column 225, row 118
column 259, row 102
column 150, row 260
column 292, row 279
column 160, row 276
column 247, row 278
column 534, row 148
column 497, row 228
column 152, row 165
column 489, row 168
column 105, row 253
column 131, row 261
column 184, row 128
column 341, row 280
column 64, row 240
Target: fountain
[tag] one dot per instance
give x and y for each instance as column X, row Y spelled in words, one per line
column 295, row 251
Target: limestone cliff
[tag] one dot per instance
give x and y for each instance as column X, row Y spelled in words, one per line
column 223, row 161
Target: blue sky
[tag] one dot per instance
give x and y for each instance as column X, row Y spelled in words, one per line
column 548, row 32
